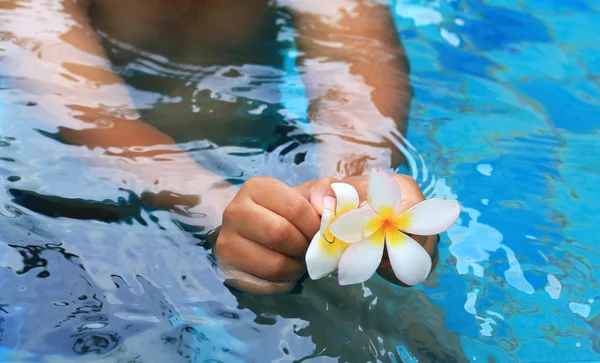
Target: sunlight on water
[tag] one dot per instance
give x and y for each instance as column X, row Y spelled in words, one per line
column 505, row 148
column 501, row 119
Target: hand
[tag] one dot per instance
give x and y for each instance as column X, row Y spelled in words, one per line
column 266, row 231
column 321, row 194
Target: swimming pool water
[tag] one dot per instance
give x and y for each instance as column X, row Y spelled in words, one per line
column 505, row 118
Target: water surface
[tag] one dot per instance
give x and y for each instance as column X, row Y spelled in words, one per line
column 504, row 118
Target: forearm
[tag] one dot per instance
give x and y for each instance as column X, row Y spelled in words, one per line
column 69, row 76
column 74, row 61
column 356, row 77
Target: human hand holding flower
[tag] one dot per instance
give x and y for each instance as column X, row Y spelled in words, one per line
column 388, row 219
column 267, row 226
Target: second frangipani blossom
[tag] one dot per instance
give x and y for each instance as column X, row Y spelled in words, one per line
column 369, row 230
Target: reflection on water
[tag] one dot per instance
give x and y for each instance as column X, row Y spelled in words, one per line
column 519, row 278
column 87, row 268
column 90, row 269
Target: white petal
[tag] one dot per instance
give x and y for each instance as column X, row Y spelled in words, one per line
column 346, row 198
column 326, row 219
column 429, row 217
column 355, row 225
column 410, row 261
column 360, row 261
column 384, row 194
column 322, row 257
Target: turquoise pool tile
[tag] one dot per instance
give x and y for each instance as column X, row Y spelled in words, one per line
column 547, row 349
column 526, row 60
column 514, row 5
column 437, row 91
column 410, row 14
column 510, row 26
column 480, row 350
column 491, row 96
column 504, row 129
column 576, row 29
column 472, row 137
column 566, row 108
column 463, row 61
column 423, row 57
column 484, row 118
column 574, row 195
column 576, row 192
column 587, row 90
column 440, row 34
column 508, row 324
column 408, row 34
column 448, row 81
column 558, row 6
column 580, row 169
column 590, row 56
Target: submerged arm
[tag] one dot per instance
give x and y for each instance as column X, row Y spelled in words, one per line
column 92, row 107
column 356, row 76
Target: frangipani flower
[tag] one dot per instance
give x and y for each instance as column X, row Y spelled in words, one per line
column 369, row 230
column 325, row 250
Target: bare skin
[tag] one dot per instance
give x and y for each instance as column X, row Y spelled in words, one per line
column 267, row 256
column 362, row 99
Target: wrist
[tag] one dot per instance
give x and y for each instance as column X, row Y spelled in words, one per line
column 178, row 184
column 201, row 208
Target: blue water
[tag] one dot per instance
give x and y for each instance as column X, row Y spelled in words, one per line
column 505, row 118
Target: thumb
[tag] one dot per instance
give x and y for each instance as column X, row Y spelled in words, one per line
column 319, row 193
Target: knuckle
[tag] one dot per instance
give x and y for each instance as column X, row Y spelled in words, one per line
column 405, row 178
column 277, row 267
column 252, row 183
column 328, row 180
column 223, row 249
column 358, row 182
column 411, row 187
column 248, row 185
column 296, row 208
column 230, row 212
column 279, row 231
column 259, row 184
column 324, row 184
column 279, row 288
column 257, row 180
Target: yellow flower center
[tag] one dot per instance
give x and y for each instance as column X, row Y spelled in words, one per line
column 334, row 248
column 386, row 213
column 402, row 221
column 388, row 224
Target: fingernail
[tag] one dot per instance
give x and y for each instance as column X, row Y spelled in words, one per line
column 329, row 203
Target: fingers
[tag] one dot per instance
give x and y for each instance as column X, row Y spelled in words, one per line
column 256, row 223
column 268, row 226
column 321, row 194
column 245, row 282
column 409, row 188
column 285, row 201
column 265, row 233
column 255, row 259
column 361, row 184
column 319, row 191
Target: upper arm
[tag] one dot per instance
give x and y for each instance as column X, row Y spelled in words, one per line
column 361, row 35
column 355, row 72
column 67, row 54
column 359, row 26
